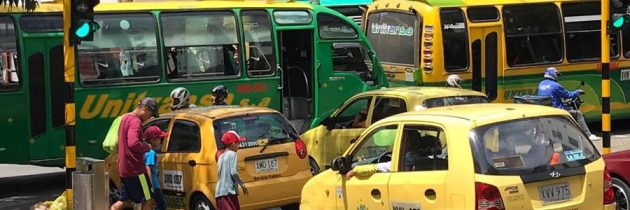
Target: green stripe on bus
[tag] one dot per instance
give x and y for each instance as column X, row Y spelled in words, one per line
column 441, row 3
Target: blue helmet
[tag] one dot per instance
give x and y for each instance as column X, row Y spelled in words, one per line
column 552, row 73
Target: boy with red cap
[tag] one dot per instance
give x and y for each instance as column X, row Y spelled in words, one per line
column 226, row 192
column 154, row 134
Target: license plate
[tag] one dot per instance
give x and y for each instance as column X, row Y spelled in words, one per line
column 554, row 193
column 266, row 165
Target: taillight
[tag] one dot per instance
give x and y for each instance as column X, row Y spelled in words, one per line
column 300, row 148
column 609, row 193
column 427, row 53
column 488, row 197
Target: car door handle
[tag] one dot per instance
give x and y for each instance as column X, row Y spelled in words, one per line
column 192, row 163
column 376, row 194
column 430, row 194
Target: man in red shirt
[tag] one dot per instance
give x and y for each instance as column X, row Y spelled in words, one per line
column 135, row 187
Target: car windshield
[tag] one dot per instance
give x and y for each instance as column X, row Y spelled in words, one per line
column 530, row 145
column 258, row 129
column 454, row 100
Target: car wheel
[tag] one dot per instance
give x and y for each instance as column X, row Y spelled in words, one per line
column 313, row 166
column 200, row 202
column 621, row 194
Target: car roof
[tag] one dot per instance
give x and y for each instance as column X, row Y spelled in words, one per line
column 424, row 92
column 214, row 112
column 478, row 114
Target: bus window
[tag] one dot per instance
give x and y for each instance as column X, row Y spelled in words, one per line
column 582, row 32
column 532, row 34
column 351, row 57
column 626, row 41
column 331, row 27
column 201, row 45
column 124, row 51
column 42, row 23
column 9, row 79
column 404, row 37
column 483, row 14
column 455, row 39
column 292, row 17
column 258, row 41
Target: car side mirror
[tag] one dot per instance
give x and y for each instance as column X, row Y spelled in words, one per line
column 329, row 122
column 340, row 164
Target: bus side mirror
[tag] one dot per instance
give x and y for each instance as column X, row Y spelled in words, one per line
column 340, row 164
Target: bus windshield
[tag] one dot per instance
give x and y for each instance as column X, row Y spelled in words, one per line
column 388, row 29
column 200, row 45
column 124, row 50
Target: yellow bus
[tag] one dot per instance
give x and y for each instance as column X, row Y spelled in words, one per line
column 499, row 47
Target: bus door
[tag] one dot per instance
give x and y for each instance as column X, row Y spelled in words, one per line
column 485, row 46
column 43, row 63
column 296, row 62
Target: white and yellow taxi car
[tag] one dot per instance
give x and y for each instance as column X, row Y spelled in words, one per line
column 335, row 134
column 272, row 161
column 495, row 157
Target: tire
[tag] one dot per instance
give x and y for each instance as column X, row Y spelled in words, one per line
column 200, row 202
column 312, row 165
column 621, row 194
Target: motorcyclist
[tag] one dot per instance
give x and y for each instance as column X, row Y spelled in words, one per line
column 453, row 80
column 550, row 87
column 219, row 94
column 181, row 99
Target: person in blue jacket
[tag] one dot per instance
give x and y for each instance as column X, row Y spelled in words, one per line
column 550, row 87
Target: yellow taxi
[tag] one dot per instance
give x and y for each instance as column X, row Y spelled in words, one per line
column 494, row 157
column 272, row 161
column 335, row 133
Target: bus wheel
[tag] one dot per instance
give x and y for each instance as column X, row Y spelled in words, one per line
column 313, row 166
column 200, row 202
column 621, row 194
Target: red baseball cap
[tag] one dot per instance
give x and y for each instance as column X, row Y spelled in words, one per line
column 153, row 132
column 231, row 137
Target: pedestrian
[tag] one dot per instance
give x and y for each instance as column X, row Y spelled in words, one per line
column 131, row 150
column 219, row 94
column 226, row 193
column 154, row 134
column 550, row 87
column 181, row 99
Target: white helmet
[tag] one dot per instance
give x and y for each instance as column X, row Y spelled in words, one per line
column 180, row 97
column 453, row 81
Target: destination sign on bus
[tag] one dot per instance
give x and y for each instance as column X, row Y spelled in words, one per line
column 387, row 29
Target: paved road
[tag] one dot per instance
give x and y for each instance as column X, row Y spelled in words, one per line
column 22, row 186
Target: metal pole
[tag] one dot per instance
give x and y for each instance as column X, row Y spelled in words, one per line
column 70, row 108
column 605, row 76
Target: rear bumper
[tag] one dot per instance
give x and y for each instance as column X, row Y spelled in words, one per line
column 274, row 192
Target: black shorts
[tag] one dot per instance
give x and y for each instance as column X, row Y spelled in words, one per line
column 136, row 188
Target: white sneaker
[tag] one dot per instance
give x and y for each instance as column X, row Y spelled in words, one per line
column 593, row 137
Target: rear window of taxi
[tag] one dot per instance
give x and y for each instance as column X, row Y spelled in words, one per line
column 530, row 145
column 267, row 128
column 454, row 100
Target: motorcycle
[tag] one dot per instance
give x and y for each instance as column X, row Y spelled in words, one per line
column 569, row 104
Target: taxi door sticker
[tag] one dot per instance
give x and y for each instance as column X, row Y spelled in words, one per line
column 173, row 180
column 405, row 206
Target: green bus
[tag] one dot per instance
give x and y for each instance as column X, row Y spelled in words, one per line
column 301, row 59
column 353, row 9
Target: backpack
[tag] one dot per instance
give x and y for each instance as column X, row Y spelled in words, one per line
column 110, row 143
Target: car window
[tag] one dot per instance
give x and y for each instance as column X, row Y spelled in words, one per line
column 163, row 125
column 385, row 107
column 184, row 137
column 258, row 129
column 356, row 111
column 423, row 149
column 376, row 147
column 530, row 145
column 454, row 100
